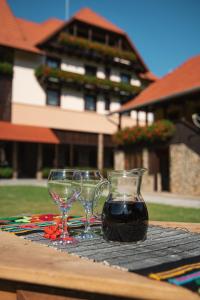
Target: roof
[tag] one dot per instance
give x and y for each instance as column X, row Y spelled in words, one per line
column 86, row 15
column 183, row 79
column 23, row 133
column 23, row 34
column 26, row 35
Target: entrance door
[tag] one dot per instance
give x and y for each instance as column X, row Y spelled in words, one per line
column 27, row 160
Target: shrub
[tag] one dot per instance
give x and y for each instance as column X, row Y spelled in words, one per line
column 45, row 172
column 6, row 172
column 6, row 68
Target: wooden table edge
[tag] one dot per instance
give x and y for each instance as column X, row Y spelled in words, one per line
column 62, row 270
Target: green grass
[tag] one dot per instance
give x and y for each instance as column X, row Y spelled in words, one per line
column 17, row 200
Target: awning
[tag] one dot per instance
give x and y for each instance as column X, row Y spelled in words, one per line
column 23, row 133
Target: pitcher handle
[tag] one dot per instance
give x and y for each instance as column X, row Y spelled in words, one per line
column 98, row 190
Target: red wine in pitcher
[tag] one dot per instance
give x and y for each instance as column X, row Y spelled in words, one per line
column 125, row 221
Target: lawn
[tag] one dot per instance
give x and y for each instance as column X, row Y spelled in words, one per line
column 17, row 200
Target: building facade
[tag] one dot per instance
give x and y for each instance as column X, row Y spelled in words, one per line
column 173, row 166
column 60, row 80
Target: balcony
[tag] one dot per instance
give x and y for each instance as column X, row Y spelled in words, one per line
column 82, row 47
column 51, row 76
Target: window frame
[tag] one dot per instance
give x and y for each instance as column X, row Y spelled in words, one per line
column 53, row 90
column 92, row 67
column 107, row 102
column 128, row 76
column 55, row 59
column 95, row 102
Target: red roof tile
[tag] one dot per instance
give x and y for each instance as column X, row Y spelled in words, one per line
column 149, row 76
column 86, row 15
column 22, row 133
column 23, row 34
column 34, row 32
column 183, row 79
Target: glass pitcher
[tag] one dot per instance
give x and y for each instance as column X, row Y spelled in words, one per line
column 125, row 215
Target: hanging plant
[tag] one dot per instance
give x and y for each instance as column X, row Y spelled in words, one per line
column 159, row 131
column 74, row 41
column 43, row 72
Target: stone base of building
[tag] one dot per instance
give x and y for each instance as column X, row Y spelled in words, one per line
column 183, row 165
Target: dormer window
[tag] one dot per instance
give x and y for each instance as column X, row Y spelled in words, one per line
column 125, row 78
column 90, row 70
column 53, row 62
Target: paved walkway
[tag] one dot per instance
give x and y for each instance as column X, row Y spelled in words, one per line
column 161, row 198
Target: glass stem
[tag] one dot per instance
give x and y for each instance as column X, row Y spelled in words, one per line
column 65, row 232
column 88, row 213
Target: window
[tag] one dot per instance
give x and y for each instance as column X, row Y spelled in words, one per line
column 53, row 62
column 90, row 102
column 107, row 103
column 107, row 73
column 90, row 70
column 126, row 78
column 53, row 97
column 127, row 113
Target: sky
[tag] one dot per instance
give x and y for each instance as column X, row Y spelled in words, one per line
column 165, row 32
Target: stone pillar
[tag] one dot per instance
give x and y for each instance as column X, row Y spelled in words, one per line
column 15, row 160
column 39, row 162
column 100, row 152
column 71, row 155
column 119, row 160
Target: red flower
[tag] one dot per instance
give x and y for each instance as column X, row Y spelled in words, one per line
column 52, row 232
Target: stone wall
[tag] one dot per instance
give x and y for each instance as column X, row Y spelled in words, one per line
column 184, row 170
column 148, row 179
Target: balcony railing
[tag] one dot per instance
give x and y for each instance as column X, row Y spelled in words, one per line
column 51, row 75
column 69, row 40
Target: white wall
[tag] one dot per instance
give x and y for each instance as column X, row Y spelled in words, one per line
column 26, row 88
column 114, row 104
column 72, row 100
column 72, row 65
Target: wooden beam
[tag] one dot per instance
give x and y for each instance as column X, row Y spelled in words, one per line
column 90, row 34
column 137, row 118
column 100, row 150
column 120, row 122
column 75, row 30
column 107, row 39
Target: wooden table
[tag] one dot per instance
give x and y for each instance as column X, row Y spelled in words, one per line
column 32, row 271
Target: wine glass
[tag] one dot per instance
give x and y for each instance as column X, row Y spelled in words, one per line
column 64, row 187
column 92, row 182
